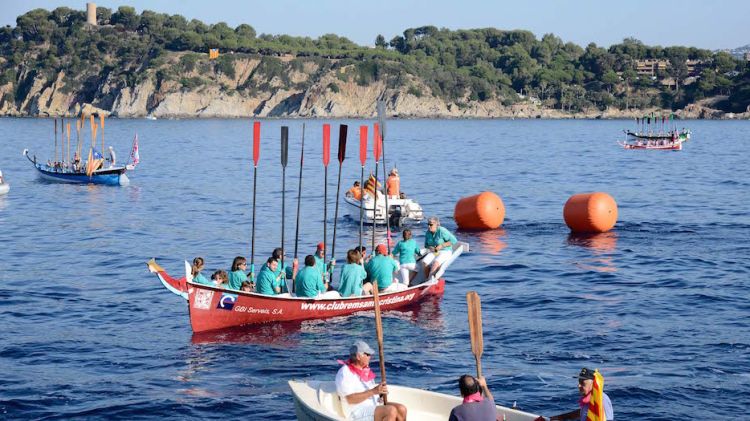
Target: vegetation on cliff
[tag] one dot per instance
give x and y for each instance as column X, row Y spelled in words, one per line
column 458, row 66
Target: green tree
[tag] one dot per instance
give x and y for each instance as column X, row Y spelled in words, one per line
column 380, row 42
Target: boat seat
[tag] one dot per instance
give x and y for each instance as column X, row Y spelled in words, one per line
column 329, row 398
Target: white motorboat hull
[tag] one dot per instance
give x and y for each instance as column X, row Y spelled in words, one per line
column 4, row 188
column 410, row 210
column 318, row 401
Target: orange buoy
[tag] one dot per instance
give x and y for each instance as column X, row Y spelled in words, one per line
column 590, row 212
column 479, row 212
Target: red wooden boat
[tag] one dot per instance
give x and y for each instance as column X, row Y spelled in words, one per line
column 217, row 308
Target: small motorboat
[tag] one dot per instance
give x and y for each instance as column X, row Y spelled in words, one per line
column 4, row 187
column 403, row 210
column 318, row 401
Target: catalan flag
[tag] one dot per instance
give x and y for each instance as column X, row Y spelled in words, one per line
column 596, row 404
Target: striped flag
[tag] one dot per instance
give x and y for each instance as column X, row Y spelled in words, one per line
column 596, row 404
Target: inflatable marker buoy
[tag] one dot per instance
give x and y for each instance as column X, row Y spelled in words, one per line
column 590, row 212
column 480, row 212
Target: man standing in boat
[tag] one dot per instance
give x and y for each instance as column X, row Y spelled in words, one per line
column 475, row 406
column 393, row 184
column 355, row 384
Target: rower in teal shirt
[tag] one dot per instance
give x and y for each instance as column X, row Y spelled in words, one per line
column 309, row 282
column 196, row 269
column 407, row 249
column 237, row 275
column 352, row 275
column 381, row 268
column 268, row 282
column 277, row 254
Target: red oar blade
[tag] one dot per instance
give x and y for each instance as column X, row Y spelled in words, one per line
column 326, row 144
column 256, row 142
column 343, row 128
column 377, row 147
column 363, row 144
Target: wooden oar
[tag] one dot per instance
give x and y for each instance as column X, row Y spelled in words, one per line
column 101, row 123
column 55, row 161
column 475, row 328
column 376, row 152
column 68, row 128
column 284, row 159
column 343, row 128
column 326, row 160
column 256, row 156
column 381, row 120
column 299, row 194
column 379, row 333
column 362, row 160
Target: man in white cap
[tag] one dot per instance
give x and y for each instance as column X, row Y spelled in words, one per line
column 355, row 384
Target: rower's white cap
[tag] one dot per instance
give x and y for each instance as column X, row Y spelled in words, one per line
column 360, row 347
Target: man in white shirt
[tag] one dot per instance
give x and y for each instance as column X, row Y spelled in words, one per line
column 358, row 391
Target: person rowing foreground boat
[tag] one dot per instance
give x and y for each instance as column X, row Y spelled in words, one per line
column 478, row 404
column 355, row 385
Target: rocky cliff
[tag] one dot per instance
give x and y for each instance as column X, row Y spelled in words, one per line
column 250, row 90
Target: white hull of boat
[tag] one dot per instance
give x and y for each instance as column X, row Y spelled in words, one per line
column 4, row 188
column 410, row 210
column 318, row 401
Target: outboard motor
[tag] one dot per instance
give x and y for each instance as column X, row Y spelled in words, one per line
column 396, row 218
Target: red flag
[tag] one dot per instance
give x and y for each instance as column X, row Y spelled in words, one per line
column 377, row 147
column 326, row 144
column 363, row 144
column 256, row 142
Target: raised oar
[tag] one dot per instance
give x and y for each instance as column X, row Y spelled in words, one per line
column 284, row 160
column 343, row 128
column 68, row 128
column 55, row 161
column 101, row 123
column 299, row 194
column 381, row 120
column 362, row 160
column 376, row 152
column 256, row 156
column 326, row 160
column 379, row 333
column 475, row 328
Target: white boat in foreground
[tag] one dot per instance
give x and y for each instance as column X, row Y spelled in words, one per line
column 318, row 401
column 401, row 210
column 4, row 188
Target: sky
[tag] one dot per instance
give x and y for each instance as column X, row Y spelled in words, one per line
column 692, row 23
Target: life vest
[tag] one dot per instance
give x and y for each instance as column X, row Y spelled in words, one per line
column 394, row 185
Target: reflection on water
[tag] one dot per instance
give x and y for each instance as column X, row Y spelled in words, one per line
column 488, row 244
column 602, row 245
column 283, row 335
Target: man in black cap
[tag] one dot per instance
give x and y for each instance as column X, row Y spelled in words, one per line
column 358, row 391
column 585, row 387
column 475, row 406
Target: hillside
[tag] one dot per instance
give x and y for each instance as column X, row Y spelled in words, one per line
column 52, row 63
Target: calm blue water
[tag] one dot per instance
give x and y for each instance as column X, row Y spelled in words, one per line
column 660, row 305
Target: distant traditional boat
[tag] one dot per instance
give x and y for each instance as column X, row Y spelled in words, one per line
column 318, row 401
column 111, row 176
column 74, row 169
column 216, row 308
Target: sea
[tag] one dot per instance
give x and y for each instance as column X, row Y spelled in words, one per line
column 660, row 304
